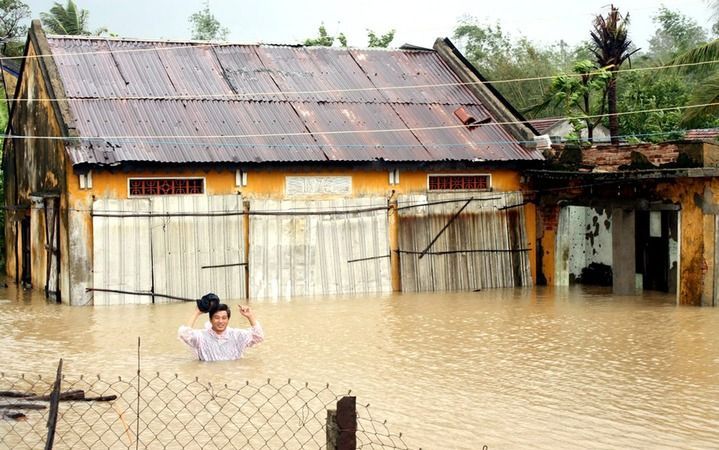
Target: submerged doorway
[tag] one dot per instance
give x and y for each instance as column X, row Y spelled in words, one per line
column 586, row 237
column 656, row 249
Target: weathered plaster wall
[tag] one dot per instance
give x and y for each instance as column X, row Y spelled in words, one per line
column 590, row 238
column 34, row 166
column 699, row 199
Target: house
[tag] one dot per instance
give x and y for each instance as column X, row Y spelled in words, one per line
column 641, row 216
column 154, row 171
column 558, row 128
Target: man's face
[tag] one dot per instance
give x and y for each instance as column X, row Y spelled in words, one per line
column 219, row 321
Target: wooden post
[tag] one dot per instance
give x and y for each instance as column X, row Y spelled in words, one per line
column 341, row 425
column 54, row 405
column 394, row 262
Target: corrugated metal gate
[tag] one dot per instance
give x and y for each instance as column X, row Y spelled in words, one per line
column 319, row 247
column 152, row 249
column 463, row 241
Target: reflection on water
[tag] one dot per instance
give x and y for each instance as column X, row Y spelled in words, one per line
column 510, row 368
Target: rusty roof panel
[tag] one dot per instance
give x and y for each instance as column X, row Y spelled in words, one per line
column 87, row 68
column 361, row 132
column 246, row 74
column 427, row 78
column 318, row 74
column 142, row 69
column 454, row 141
column 195, row 71
column 192, row 131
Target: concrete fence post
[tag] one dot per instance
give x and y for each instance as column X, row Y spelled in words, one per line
column 341, row 426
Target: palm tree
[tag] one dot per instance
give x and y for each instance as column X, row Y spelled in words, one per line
column 610, row 46
column 68, row 20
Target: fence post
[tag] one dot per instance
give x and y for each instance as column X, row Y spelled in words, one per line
column 347, row 423
column 331, row 429
column 54, row 406
column 342, row 425
column 394, row 260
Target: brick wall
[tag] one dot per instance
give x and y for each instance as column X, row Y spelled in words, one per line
column 609, row 158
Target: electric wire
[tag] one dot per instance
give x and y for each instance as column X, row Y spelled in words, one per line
column 322, row 91
column 336, row 132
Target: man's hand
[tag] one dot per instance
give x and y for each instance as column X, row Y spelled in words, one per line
column 191, row 321
column 247, row 312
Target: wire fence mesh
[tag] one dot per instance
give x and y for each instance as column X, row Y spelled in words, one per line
column 166, row 412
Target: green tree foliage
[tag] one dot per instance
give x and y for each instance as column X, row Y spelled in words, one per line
column 611, row 47
column 499, row 57
column 381, row 41
column 13, row 14
column 676, row 33
column 647, row 91
column 68, row 19
column 205, row 27
column 661, row 89
column 324, row 39
column 706, row 91
column 580, row 95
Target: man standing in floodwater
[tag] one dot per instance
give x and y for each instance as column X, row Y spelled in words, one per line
column 217, row 341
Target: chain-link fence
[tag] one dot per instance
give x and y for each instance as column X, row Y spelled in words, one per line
column 167, row 412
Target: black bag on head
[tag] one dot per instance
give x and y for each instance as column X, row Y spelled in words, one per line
column 208, row 302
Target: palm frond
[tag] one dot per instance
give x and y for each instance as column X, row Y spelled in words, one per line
column 702, row 54
column 706, row 93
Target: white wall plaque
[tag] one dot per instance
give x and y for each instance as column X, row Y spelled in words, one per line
column 318, row 185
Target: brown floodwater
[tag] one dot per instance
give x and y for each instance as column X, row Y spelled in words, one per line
column 508, row 368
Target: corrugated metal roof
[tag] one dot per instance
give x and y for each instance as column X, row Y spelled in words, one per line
column 702, row 134
column 542, row 125
column 185, row 102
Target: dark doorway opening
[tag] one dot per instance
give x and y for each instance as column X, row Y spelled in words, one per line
column 655, row 236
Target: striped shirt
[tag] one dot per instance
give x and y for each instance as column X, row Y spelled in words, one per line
column 210, row 346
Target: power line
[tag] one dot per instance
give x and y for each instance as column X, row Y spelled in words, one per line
column 152, row 142
column 340, row 132
column 226, row 96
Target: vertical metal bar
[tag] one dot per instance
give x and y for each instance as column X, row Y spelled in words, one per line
column 152, row 259
column 54, row 406
column 246, row 240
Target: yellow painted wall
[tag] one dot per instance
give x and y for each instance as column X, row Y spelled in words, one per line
column 530, row 214
column 271, row 184
column 697, row 235
column 268, row 184
column 548, row 240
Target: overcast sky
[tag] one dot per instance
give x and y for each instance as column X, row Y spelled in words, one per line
column 417, row 22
